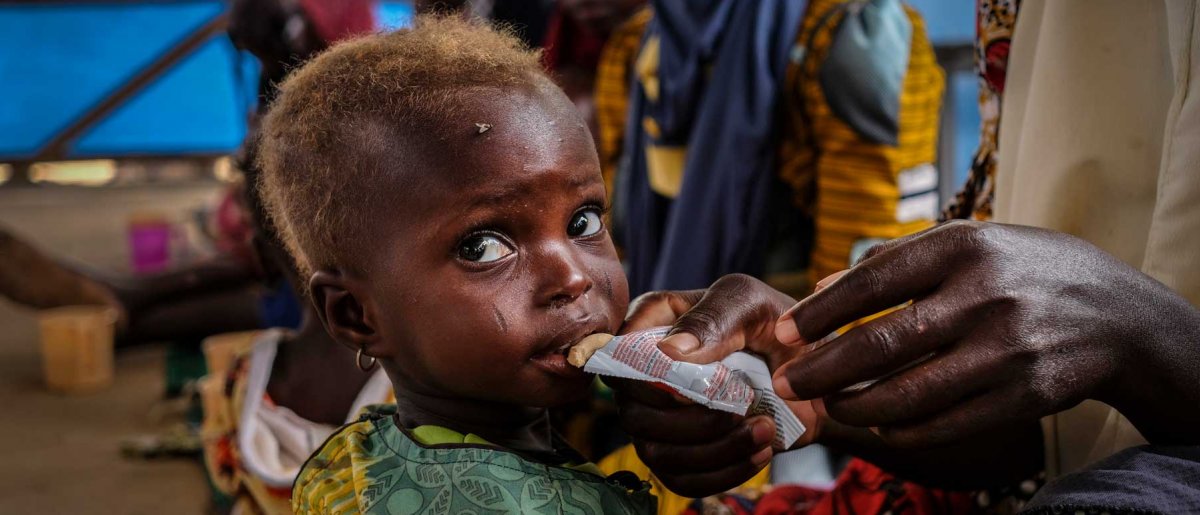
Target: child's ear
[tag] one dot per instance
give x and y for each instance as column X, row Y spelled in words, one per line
column 341, row 304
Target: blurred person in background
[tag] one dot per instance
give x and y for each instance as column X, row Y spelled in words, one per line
column 281, row 397
column 286, row 393
column 575, row 35
column 766, row 137
column 214, row 296
column 528, row 18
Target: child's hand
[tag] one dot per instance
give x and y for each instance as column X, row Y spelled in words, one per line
column 738, row 312
column 694, row 450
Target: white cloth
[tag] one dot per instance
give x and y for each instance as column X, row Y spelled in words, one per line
column 1100, row 138
column 274, row 441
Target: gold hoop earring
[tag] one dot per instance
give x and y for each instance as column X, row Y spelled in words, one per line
column 359, row 361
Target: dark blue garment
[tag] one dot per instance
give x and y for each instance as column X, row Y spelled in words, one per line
column 280, row 307
column 729, row 120
column 1146, row 479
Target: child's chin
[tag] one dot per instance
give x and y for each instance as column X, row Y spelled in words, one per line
column 563, row 391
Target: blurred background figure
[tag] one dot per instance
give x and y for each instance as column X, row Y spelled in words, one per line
column 282, row 394
column 286, row 392
column 770, row 138
column 575, row 36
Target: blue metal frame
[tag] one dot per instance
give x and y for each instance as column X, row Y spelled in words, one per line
column 126, row 78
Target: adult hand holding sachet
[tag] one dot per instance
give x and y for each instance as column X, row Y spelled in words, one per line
column 1020, row 323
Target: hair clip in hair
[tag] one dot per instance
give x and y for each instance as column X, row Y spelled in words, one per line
column 483, row 127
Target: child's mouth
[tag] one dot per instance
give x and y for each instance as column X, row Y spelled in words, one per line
column 557, row 361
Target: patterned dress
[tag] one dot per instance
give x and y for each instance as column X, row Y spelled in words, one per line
column 994, row 24
column 374, row 466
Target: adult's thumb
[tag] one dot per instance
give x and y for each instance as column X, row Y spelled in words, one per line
column 702, row 335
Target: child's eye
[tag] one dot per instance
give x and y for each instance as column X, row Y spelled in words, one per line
column 483, row 248
column 585, row 223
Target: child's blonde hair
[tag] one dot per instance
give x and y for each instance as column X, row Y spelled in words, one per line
column 335, row 118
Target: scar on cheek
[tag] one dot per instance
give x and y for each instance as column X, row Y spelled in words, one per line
column 500, row 319
column 483, row 127
column 607, row 285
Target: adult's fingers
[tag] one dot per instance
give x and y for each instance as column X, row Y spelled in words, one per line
column 785, row 327
column 987, row 411
column 684, row 425
column 736, row 312
column 828, row 280
column 672, row 457
column 704, row 484
column 918, row 392
column 889, row 276
column 874, row 349
column 658, row 308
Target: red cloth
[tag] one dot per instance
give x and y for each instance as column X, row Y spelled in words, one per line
column 861, row 489
column 338, row 19
column 788, row 499
column 865, row 488
column 569, row 45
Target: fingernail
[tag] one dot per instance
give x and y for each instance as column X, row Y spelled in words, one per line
column 783, row 387
column 761, row 432
column 681, row 343
column 761, row 458
column 828, row 280
column 786, row 331
column 876, row 431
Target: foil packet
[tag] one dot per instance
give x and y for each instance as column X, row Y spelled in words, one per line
column 740, row 383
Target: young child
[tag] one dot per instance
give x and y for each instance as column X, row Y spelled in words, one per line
column 445, row 202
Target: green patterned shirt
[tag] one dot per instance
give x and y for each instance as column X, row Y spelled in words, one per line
column 373, row 466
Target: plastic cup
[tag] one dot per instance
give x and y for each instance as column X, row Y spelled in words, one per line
column 149, row 243
column 77, row 348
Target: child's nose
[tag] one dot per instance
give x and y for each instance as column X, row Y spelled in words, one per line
column 563, row 277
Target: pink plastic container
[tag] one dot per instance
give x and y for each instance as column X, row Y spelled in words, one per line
column 149, row 244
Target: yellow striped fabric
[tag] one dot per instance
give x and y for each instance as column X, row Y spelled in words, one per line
column 612, row 89
column 850, row 184
column 328, row 487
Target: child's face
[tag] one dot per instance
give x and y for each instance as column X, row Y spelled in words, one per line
column 495, row 257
